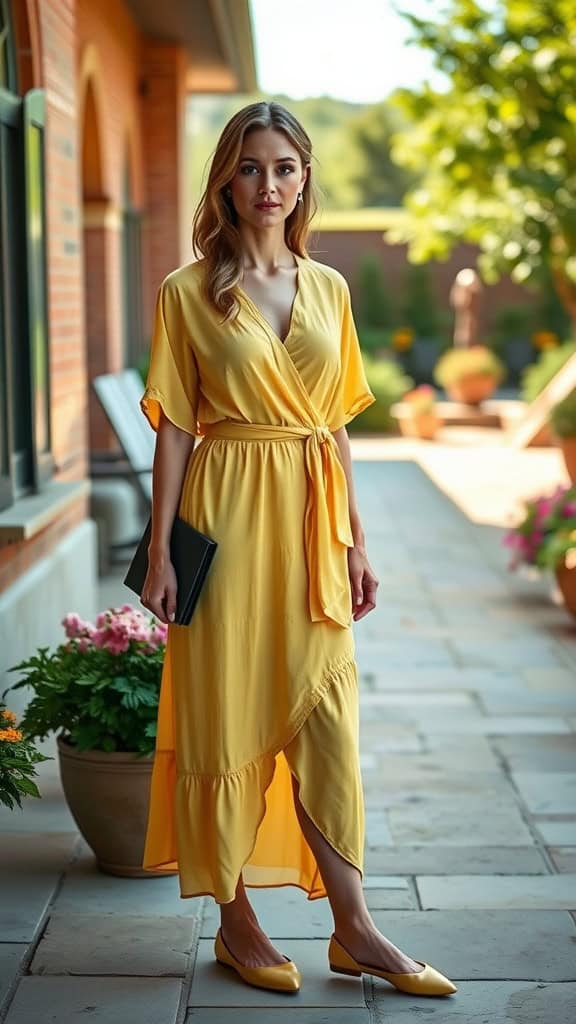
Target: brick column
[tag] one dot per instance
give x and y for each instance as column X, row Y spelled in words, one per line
column 163, row 125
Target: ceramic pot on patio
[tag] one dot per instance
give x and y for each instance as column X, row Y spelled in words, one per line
column 472, row 389
column 424, row 425
column 566, row 579
column 108, row 795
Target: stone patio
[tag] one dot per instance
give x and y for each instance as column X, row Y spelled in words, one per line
column 468, row 720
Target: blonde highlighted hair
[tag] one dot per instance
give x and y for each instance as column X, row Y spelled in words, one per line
column 215, row 234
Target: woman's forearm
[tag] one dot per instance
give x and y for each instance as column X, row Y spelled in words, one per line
column 171, row 454
column 341, row 438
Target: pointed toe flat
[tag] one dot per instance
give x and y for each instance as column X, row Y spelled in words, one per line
column 277, row 977
column 427, row 982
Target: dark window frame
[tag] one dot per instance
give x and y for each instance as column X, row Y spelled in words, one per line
column 26, row 462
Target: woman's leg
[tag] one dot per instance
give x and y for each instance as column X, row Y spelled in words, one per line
column 243, row 935
column 353, row 925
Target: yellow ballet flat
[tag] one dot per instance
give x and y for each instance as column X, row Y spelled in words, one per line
column 428, row 982
column 278, row 977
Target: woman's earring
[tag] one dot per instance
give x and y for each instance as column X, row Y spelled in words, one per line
column 228, row 193
column 300, row 197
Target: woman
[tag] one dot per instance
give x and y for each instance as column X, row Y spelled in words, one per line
column 256, row 779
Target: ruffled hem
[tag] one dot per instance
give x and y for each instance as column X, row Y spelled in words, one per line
column 240, row 822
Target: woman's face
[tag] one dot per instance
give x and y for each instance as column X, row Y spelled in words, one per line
column 268, row 179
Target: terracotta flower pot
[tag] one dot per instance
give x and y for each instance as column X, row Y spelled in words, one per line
column 473, row 388
column 108, row 796
column 566, row 579
column 568, row 446
column 424, row 425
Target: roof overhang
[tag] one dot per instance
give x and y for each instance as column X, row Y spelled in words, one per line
column 216, row 35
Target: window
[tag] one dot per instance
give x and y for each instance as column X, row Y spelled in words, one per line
column 132, row 263
column 25, row 460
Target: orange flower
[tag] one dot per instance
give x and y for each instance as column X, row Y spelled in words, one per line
column 12, row 735
column 402, row 338
column 9, row 715
column 545, row 339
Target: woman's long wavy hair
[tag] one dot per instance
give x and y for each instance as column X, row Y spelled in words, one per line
column 215, row 234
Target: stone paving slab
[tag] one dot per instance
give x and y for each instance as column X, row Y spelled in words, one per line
column 553, row 702
column 564, row 858
column 214, row 985
column 494, row 725
column 30, row 866
column 487, row 944
column 543, row 753
column 547, row 792
column 465, row 822
column 456, row 786
column 273, row 1015
column 11, row 956
column 560, row 833
column 447, row 860
column 48, row 814
column 496, row 1002
column 114, row 944
column 548, row 679
column 86, row 889
column 527, row 892
column 99, row 1000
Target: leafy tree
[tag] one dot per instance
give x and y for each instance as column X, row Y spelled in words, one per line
column 497, row 149
column 379, row 180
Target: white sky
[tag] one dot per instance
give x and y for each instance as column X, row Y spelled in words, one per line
column 351, row 49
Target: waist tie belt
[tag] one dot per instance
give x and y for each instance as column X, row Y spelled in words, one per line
column 327, row 531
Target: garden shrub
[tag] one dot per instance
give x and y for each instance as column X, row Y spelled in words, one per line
column 389, row 383
column 536, row 376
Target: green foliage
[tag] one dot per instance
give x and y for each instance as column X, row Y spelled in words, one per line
column 419, row 308
column 18, row 760
column 458, row 363
column 536, row 376
column 379, row 180
column 563, row 417
column 388, row 383
column 99, row 700
column 497, row 150
column 513, row 321
column 374, row 305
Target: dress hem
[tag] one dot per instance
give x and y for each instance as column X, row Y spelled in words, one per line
column 345, row 662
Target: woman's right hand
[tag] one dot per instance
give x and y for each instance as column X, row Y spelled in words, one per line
column 160, row 588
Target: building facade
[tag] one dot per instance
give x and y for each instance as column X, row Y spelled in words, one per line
column 94, row 211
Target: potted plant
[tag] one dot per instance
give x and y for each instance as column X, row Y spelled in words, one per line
column 563, row 423
column 416, row 413
column 18, row 760
column 99, row 691
column 546, row 539
column 469, row 375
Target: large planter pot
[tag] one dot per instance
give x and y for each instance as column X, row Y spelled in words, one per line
column 566, row 579
column 472, row 389
column 424, row 425
column 568, row 446
column 108, row 796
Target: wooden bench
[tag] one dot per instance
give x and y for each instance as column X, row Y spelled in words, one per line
column 119, row 395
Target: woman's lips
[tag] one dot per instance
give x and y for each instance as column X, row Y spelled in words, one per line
column 267, row 206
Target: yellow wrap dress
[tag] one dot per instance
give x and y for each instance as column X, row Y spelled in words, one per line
column 262, row 684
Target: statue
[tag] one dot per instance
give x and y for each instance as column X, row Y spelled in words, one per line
column 465, row 300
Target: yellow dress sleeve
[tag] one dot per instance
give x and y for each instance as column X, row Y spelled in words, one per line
column 173, row 380
column 353, row 394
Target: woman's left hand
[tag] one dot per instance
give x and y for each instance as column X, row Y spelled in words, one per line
column 363, row 582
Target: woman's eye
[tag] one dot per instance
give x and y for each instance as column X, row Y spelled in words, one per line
column 286, row 169
column 248, row 168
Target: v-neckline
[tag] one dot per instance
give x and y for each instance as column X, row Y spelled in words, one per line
column 266, row 323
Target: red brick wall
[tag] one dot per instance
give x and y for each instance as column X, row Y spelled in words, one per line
column 346, row 249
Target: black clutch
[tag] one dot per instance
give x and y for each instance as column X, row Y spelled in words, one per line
column 191, row 553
